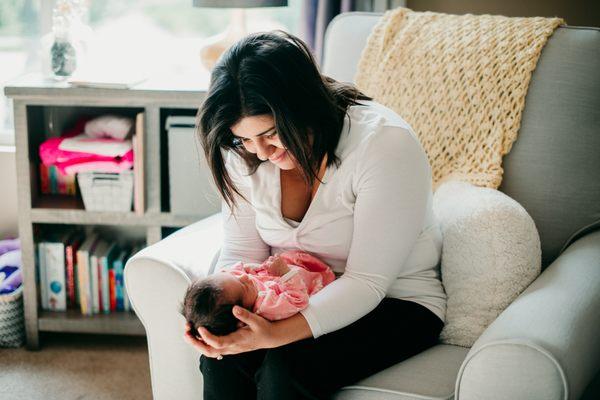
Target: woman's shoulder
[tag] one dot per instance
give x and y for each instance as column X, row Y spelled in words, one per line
column 371, row 111
column 375, row 129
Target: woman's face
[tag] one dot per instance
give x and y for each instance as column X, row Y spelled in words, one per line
column 258, row 135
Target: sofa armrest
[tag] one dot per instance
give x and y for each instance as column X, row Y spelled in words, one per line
column 156, row 279
column 193, row 249
column 545, row 344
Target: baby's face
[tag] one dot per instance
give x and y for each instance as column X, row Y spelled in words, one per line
column 235, row 288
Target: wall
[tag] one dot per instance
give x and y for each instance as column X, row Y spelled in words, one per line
column 575, row 12
column 8, row 185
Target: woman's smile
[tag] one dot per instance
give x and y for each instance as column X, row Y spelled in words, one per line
column 279, row 158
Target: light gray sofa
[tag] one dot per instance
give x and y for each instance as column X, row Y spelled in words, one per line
column 553, row 170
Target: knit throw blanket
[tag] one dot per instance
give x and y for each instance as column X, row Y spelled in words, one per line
column 459, row 80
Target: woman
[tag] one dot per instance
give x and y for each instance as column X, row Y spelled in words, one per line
column 305, row 162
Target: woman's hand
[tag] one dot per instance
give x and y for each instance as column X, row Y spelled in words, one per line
column 254, row 332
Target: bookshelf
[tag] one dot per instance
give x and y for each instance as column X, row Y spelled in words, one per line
column 44, row 108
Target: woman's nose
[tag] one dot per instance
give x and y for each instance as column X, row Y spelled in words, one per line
column 265, row 151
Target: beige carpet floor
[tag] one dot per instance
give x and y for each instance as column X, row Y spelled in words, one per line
column 77, row 367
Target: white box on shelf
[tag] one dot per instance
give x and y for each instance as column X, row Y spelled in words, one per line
column 104, row 191
column 191, row 187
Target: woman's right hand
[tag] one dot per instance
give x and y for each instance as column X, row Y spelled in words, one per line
column 198, row 343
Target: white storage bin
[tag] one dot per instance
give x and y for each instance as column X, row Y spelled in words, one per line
column 104, row 191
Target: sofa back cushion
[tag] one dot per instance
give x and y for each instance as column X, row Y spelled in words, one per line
column 553, row 168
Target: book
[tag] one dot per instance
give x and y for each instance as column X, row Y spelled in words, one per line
column 44, row 184
column 83, row 273
column 71, row 262
column 55, row 276
column 126, row 303
column 96, row 273
column 41, row 247
column 53, row 180
column 55, row 266
column 118, row 265
column 112, row 295
column 103, row 261
column 138, row 165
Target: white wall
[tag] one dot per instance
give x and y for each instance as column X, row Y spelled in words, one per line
column 8, row 190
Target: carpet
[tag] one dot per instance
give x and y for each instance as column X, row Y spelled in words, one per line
column 77, row 367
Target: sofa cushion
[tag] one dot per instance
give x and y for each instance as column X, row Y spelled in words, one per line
column 553, row 167
column 428, row 375
column 490, row 253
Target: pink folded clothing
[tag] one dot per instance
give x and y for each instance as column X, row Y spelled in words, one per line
column 112, row 155
column 280, row 297
column 98, row 165
column 83, row 143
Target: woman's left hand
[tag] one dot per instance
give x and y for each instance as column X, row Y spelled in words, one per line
column 258, row 333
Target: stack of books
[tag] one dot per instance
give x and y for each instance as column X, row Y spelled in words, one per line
column 53, row 181
column 79, row 271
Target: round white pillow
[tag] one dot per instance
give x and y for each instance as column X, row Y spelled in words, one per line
column 490, row 253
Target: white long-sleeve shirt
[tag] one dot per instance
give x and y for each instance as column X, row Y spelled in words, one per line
column 371, row 220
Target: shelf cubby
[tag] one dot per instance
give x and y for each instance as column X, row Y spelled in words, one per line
column 46, row 121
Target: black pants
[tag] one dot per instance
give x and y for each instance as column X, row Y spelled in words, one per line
column 316, row 368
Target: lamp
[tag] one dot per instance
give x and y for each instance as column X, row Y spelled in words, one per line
column 216, row 45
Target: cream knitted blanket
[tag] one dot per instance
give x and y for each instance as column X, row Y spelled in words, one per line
column 459, row 80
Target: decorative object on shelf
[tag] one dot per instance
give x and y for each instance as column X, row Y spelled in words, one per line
column 68, row 38
column 216, row 45
column 106, row 191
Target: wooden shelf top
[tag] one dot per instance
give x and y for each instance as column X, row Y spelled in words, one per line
column 176, row 88
column 118, row 323
column 83, row 217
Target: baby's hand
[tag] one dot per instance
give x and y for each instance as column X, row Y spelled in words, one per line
column 276, row 266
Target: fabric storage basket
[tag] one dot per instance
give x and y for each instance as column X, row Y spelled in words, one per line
column 104, row 191
column 12, row 328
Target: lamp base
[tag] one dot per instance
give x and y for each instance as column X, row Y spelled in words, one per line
column 216, row 45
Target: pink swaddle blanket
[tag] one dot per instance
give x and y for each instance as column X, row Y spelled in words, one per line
column 280, row 297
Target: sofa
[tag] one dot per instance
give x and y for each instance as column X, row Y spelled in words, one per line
column 553, row 171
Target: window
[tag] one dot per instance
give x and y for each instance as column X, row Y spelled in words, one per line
column 163, row 34
column 20, row 27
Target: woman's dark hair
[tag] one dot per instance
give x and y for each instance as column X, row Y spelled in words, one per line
column 273, row 73
column 203, row 305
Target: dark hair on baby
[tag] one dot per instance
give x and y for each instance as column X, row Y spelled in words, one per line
column 203, row 305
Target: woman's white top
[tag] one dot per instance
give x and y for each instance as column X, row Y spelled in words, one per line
column 371, row 220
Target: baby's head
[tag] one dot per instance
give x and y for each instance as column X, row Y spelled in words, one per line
column 209, row 302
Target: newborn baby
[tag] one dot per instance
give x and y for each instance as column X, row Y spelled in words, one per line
column 276, row 289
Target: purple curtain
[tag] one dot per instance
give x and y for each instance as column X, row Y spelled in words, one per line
column 316, row 15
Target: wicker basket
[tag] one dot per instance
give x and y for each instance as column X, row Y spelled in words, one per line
column 102, row 191
column 12, row 327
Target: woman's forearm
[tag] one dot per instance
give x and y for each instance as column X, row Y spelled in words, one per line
column 291, row 330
